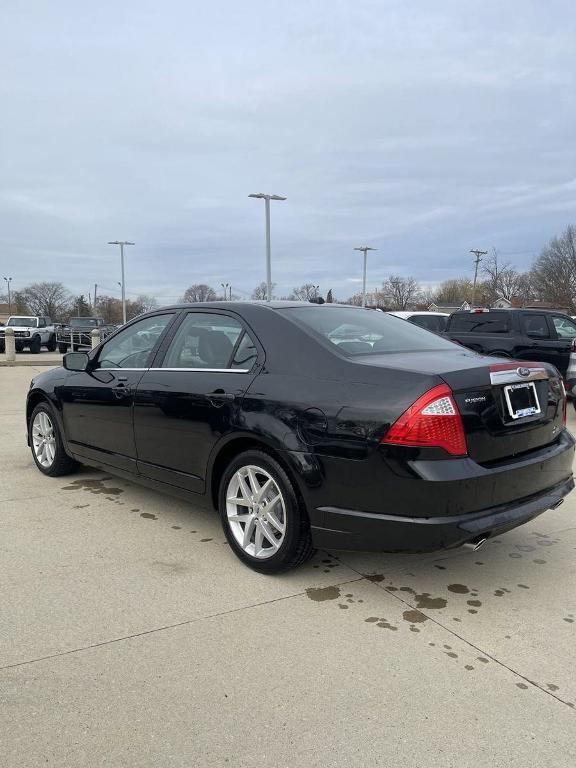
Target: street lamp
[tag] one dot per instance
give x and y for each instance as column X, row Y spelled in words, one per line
column 267, row 198
column 8, row 281
column 364, row 249
column 122, row 243
column 225, row 287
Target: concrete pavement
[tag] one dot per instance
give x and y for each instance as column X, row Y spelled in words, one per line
column 131, row 636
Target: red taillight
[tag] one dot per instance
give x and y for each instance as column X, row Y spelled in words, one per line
column 433, row 421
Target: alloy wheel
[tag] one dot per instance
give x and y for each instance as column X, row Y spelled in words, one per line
column 256, row 511
column 43, row 439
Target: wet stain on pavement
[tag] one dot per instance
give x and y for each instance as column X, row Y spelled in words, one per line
column 321, row 594
column 384, row 624
column 523, row 686
column 148, row 516
column 177, row 527
column 414, row 617
column 459, row 589
column 375, row 578
column 552, row 687
column 92, row 486
column 204, row 540
column 81, row 506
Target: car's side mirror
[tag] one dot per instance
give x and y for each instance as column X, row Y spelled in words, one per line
column 76, row 361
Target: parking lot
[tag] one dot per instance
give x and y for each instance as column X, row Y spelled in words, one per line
column 131, row 636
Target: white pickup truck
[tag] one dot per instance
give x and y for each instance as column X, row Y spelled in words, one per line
column 31, row 333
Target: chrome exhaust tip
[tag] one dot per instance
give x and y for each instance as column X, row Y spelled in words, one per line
column 475, row 544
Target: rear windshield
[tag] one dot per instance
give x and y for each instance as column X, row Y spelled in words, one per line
column 23, row 322
column 84, row 322
column 365, row 331
column 480, row 322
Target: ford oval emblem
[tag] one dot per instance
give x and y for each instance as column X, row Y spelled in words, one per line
column 523, row 372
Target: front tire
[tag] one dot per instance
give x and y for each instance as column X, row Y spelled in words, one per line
column 262, row 515
column 46, row 443
column 35, row 345
column 51, row 346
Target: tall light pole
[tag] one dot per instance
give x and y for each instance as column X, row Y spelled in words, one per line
column 8, row 281
column 364, row 249
column 225, row 287
column 267, row 198
column 122, row 243
column 477, row 261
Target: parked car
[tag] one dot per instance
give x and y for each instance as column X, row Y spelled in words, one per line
column 432, row 321
column 304, row 435
column 524, row 334
column 31, row 332
column 78, row 333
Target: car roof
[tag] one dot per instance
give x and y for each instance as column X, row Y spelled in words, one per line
column 405, row 314
column 274, row 305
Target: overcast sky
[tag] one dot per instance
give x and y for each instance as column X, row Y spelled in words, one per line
column 422, row 129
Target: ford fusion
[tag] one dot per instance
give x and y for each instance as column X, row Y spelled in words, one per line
column 311, row 426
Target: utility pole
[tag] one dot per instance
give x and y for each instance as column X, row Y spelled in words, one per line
column 267, row 198
column 95, row 296
column 122, row 243
column 478, row 255
column 364, row 249
column 8, row 281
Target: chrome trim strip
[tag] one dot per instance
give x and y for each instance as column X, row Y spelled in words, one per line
column 185, row 370
column 205, row 370
column 510, row 376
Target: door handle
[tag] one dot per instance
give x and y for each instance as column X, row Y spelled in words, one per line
column 121, row 390
column 221, row 396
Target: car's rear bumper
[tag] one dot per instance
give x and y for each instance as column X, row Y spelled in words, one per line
column 354, row 530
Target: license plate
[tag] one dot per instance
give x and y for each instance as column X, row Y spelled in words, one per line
column 522, row 400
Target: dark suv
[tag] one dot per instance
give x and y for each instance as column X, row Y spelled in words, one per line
column 523, row 334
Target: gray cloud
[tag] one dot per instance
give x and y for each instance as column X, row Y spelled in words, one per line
column 423, row 129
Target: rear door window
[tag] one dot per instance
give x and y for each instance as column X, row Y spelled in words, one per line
column 535, row 326
column 480, row 322
column 435, row 323
column 212, row 341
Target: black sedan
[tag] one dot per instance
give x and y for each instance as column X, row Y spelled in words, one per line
column 311, row 426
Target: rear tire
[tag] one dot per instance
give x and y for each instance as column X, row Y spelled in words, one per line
column 269, row 531
column 51, row 346
column 35, row 345
column 46, row 443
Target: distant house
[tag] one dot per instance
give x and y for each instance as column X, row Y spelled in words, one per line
column 514, row 303
column 4, row 313
column 449, row 308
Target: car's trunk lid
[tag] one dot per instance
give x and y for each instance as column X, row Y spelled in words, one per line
column 508, row 408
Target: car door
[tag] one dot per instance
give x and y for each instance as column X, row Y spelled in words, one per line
column 97, row 404
column 537, row 339
column 565, row 329
column 191, row 397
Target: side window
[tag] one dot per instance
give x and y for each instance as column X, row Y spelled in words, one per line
column 535, row 326
column 246, row 353
column 41, row 322
column 204, row 340
column 480, row 322
column 133, row 347
column 565, row 328
column 434, row 323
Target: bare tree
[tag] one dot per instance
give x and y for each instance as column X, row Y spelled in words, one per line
column 400, row 291
column 304, row 292
column 329, row 297
column 502, row 280
column 199, row 292
column 260, row 293
column 554, row 272
column 51, row 299
column 146, row 303
column 454, row 291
